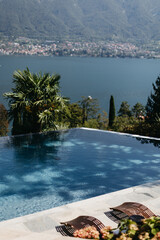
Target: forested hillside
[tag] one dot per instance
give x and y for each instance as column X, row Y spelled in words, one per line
column 124, row 20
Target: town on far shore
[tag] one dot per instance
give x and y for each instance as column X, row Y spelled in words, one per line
column 26, row 46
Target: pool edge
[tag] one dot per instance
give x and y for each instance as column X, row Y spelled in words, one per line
column 41, row 225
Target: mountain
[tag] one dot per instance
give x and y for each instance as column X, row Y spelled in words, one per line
column 125, row 20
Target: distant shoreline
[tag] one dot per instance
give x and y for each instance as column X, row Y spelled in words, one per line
column 80, row 56
column 104, row 49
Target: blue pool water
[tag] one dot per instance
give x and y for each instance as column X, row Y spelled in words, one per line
column 42, row 171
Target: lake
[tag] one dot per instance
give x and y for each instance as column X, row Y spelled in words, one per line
column 126, row 79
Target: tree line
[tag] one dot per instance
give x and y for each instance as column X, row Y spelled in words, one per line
column 36, row 105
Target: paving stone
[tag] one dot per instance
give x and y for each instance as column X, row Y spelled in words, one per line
column 41, row 225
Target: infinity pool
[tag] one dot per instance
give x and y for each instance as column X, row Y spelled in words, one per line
column 42, row 171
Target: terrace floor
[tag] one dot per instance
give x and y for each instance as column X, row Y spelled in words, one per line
column 42, row 225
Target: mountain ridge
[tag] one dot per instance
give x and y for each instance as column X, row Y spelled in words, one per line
column 119, row 20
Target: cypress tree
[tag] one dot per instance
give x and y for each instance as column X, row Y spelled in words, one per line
column 112, row 111
column 153, row 103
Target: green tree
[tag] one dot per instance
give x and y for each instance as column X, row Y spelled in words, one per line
column 92, row 123
column 34, row 102
column 3, row 121
column 102, row 120
column 138, row 110
column 125, row 124
column 112, row 112
column 124, row 109
column 153, row 104
column 89, row 107
column 75, row 118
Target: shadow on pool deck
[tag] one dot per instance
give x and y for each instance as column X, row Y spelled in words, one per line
column 42, row 225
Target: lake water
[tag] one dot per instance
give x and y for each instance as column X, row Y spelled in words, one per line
column 126, row 79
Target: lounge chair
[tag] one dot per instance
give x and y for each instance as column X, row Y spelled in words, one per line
column 69, row 227
column 135, row 211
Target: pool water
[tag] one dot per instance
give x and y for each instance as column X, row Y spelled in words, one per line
column 42, row 171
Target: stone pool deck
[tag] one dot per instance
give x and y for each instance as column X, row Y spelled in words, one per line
column 41, row 225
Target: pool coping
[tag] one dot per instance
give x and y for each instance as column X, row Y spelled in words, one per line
column 84, row 128
column 120, row 133
column 41, row 225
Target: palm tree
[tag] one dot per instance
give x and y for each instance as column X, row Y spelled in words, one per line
column 35, row 101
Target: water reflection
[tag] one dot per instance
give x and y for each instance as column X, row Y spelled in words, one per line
column 41, row 171
column 36, row 147
column 155, row 142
